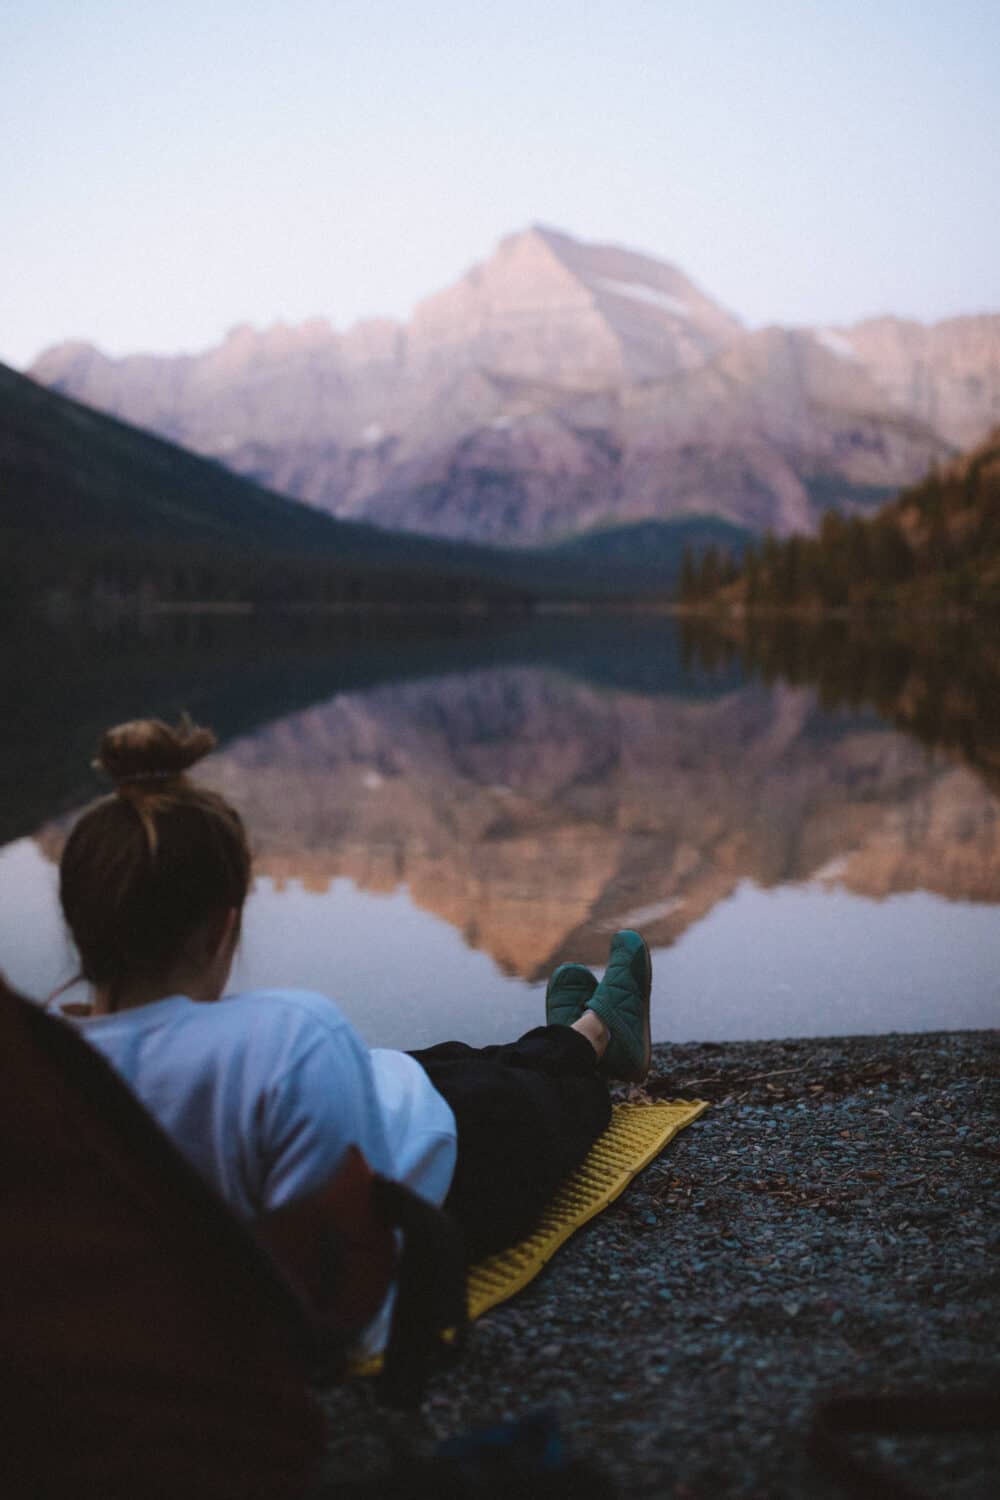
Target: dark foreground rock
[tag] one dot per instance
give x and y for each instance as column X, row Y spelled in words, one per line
column 830, row 1225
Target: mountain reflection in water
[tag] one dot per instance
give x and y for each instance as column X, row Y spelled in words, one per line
column 532, row 792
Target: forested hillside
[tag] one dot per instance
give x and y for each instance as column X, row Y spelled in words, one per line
column 937, row 545
column 91, row 508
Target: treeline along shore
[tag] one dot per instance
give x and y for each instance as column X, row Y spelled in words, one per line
column 934, row 548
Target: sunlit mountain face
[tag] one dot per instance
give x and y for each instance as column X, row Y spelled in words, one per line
column 807, row 833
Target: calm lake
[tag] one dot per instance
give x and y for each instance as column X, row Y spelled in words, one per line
column 804, row 822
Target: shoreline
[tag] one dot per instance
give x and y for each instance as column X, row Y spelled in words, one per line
column 829, row 1226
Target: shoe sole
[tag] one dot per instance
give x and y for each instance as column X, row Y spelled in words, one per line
column 647, row 995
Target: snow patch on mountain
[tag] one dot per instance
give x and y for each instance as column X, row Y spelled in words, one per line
column 639, row 293
column 835, row 343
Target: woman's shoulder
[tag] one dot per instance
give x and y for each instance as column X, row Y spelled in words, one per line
column 272, row 1033
column 281, row 1008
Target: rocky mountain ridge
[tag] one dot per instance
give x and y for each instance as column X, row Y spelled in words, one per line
column 559, row 387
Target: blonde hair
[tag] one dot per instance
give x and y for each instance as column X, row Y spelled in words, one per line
column 145, row 868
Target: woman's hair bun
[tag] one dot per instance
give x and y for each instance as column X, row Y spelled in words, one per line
column 150, row 750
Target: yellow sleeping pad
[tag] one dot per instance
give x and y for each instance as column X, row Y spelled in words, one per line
column 637, row 1133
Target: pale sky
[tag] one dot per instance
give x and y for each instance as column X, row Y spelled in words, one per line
column 172, row 168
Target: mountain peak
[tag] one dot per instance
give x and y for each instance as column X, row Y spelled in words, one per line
column 547, row 306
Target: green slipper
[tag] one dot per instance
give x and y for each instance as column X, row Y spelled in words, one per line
column 567, row 993
column 622, row 1002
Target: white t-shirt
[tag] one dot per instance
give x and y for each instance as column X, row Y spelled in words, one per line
column 264, row 1091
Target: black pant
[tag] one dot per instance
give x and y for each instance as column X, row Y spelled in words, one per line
column 527, row 1114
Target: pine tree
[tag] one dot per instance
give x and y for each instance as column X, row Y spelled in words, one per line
column 709, row 572
column 687, row 589
column 752, row 575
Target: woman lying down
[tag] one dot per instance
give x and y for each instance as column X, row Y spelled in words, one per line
column 264, row 1091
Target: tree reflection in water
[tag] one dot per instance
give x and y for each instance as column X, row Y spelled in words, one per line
column 937, row 681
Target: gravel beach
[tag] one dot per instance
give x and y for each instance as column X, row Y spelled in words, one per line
column 829, row 1226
